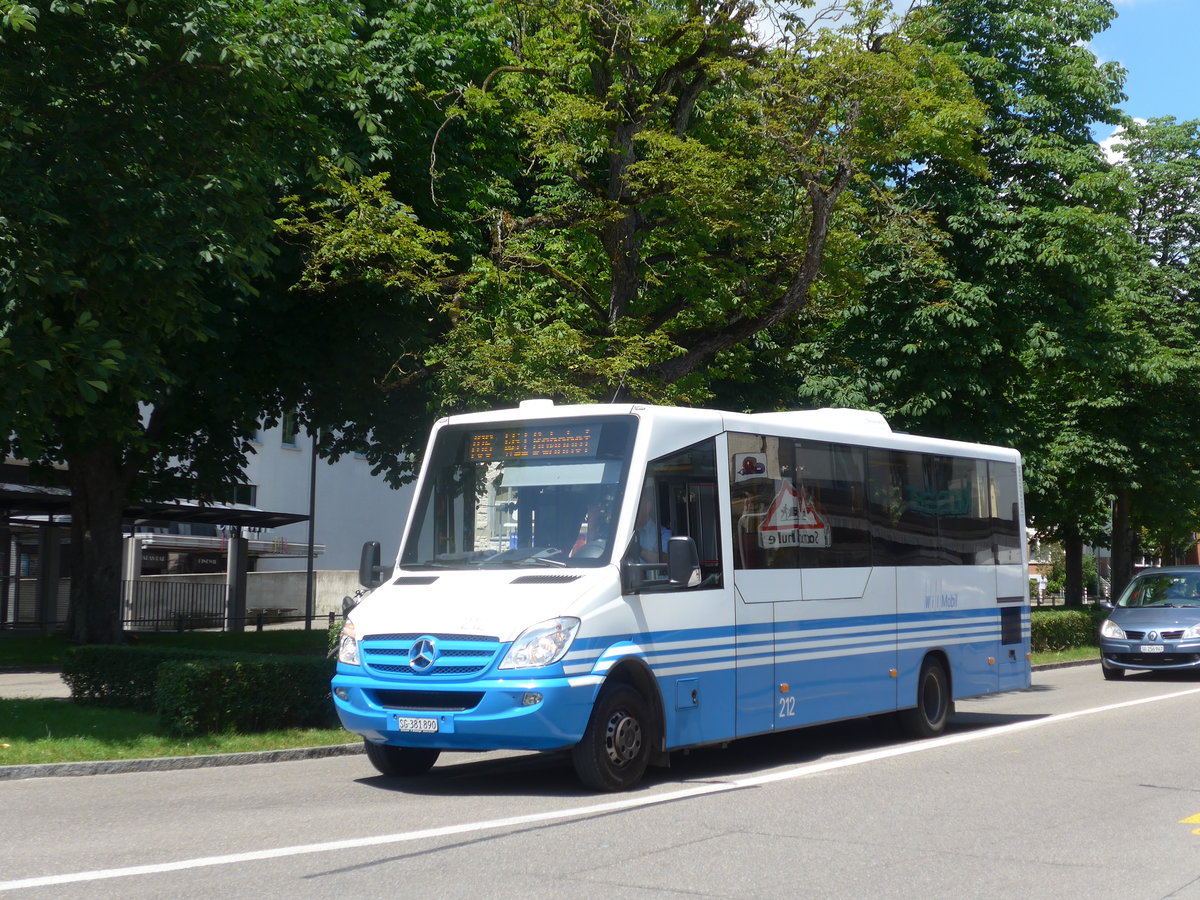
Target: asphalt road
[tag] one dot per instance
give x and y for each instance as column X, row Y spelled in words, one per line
column 1076, row 787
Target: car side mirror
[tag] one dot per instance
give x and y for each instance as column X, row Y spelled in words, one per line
column 370, row 572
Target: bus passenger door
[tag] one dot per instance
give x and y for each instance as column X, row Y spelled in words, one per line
column 686, row 631
column 1012, row 575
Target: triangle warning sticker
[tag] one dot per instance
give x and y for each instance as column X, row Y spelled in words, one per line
column 792, row 521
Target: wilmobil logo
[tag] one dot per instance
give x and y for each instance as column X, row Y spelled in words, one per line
column 941, row 601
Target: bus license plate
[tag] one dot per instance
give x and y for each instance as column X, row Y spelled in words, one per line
column 424, row 726
column 1152, row 648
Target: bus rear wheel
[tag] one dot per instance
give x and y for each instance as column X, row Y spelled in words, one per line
column 615, row 748
column 928, row 717
column 399, row 762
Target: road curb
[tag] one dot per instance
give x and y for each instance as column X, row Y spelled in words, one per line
column 170, row 763
column 1067, row 665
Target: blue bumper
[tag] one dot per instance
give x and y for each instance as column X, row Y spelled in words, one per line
column 488, row 714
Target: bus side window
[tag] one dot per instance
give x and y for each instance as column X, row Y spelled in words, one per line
column 679, row 499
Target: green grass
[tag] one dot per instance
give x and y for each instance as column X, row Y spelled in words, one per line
column 1071, row 654
column 57, row 731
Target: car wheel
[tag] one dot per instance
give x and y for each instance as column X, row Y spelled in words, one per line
column 928, row 717
column 615, row 748
column 1112, row 673
column 397, row 762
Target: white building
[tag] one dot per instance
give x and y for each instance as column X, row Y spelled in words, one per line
column 352, row 505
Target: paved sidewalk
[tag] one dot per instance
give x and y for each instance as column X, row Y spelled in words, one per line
column 32, row 684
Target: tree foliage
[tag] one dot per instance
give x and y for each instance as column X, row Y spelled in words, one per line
column 666, row 186
column 215, row 213
column 991, row 303
column 143, row 149
column 1162, row 484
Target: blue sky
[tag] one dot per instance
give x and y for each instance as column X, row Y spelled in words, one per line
column 1158, row 42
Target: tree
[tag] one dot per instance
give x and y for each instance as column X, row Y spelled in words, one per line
column 991, row 304
column 669, row 186
column 143, row 149
column 1160, row 497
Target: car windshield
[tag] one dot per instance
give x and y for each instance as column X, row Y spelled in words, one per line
column 521, row 494
column 1163, row 589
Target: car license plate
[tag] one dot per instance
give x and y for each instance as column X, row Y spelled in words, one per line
column 1152, row 648
column 424, row 726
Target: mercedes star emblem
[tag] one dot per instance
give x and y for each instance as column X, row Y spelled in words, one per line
column 422, row 655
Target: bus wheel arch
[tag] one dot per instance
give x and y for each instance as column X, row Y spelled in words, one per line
column 933, row 700
column 624, row 731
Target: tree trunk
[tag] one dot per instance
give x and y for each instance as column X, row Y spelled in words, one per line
column 1073, row 552
column 1122, row 545
column 98, row 493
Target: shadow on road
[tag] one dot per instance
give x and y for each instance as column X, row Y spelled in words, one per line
column 551, row 774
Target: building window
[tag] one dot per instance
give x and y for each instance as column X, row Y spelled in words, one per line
column 290, row 428
column 245, row 494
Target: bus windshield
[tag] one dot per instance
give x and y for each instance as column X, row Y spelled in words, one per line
column 536, row 493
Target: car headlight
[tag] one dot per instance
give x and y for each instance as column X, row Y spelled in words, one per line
column 542, row 645
column 1192, row 633
column 1111, row 629
column 348, row 645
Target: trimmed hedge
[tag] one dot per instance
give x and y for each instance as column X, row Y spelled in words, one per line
column 245, row 695
column 121, row 676
column 1066, row 627
column 200, row 691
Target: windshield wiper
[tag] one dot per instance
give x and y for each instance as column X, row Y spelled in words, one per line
column 518, row 562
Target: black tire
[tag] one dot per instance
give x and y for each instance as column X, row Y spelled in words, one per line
column 615, row 748
column 928, row 718
column 400, row 762
column 1112, row 673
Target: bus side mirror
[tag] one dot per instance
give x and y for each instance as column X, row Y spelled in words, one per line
column 370, row 572
column 683, row 562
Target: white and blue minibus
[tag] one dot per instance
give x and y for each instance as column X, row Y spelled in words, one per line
column 622, row 581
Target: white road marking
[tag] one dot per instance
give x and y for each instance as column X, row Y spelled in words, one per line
column 633, row 802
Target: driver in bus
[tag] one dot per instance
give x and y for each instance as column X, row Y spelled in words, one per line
column 652, row 538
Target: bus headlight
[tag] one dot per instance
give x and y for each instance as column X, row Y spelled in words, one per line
column 542, row 645
column 348, row 645
column 1111, row 629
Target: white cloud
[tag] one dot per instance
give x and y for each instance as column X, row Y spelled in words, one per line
column 1111, row 153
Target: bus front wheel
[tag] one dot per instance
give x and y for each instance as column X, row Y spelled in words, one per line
column 928, row 717
column 397, row 762
column 615, row 748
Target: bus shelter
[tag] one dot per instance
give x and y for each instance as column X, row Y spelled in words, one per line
column 35, row 548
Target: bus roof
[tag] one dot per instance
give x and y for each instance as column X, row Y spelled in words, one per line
column 830, row 423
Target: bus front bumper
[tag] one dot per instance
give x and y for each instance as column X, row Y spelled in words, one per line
column 498, row 714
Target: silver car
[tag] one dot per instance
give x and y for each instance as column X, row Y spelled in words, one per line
column 1155, row 624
